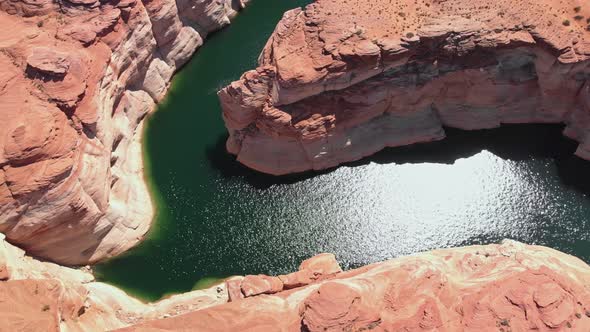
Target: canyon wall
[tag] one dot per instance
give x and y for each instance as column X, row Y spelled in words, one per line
column 338, row 83
column 505, row 287
column 78, row 77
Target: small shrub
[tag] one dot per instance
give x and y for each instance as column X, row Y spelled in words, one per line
column 409, row 35
column 40, row 24
column 577, row 9
column 46, row 307
column 578, row 17
column 566, row 23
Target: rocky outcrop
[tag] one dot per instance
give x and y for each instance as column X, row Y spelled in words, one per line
column 40, row 296
column 336, row 83
column 77, row 79
column 317, row 268
column 507, row 287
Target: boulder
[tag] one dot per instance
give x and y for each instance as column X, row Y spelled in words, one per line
column 48, row 61
column 260, row 284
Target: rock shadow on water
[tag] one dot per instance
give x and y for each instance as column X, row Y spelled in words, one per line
column 514, row 142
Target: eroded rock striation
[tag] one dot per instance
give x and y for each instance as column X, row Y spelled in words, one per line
column 336, row 83
column 77, row 79
column 507, row 287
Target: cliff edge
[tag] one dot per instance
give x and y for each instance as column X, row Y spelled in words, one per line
column 336, row 83
column 504, row 287
column 78, row 77
column 507, row 287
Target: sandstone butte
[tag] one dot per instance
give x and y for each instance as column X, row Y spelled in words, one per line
column 337, row 81
column 77, row 79
column 340, row 80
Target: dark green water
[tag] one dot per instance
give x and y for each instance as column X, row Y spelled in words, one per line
column 216, row 218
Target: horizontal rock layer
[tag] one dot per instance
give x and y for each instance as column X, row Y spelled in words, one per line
column 337, row 83
column 507, row 287
column 78, row 77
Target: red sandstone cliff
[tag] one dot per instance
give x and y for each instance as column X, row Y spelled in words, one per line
column 77, row 78
column 340, row 82
column 507, row 287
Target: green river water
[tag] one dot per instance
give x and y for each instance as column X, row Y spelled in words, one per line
column 216, row 218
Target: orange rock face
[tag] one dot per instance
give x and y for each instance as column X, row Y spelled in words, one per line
column 260, row 284
column 337, row 82
column 77, row 80
column 314, row 269
column 507, row 287
column 40, row 296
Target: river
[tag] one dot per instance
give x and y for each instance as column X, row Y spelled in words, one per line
column 216, row 218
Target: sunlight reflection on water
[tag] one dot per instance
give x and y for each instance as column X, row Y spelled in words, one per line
column 215, row 218
column 378, row 211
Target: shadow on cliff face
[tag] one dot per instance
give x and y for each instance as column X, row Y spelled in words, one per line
column 510, row 142
column 229, row 167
